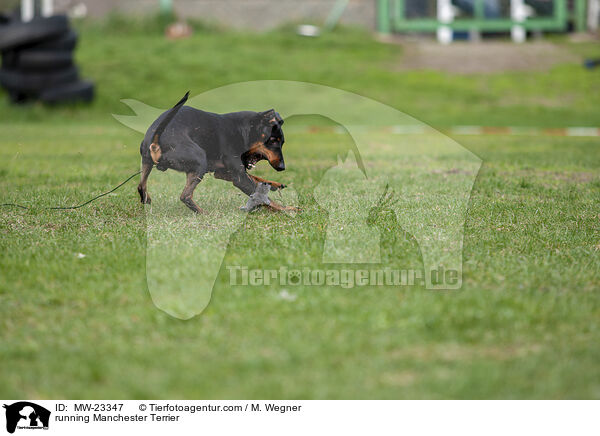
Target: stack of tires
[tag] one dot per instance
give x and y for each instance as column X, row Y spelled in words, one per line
column 37, row 61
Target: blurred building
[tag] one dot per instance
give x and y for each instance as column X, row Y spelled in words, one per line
column 252, row 14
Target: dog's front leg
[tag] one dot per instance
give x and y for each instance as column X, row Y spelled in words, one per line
column 274, row 185
column 243, row 182
column 274, row 206
column 247, row 184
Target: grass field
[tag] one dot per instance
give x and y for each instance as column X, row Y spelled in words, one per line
column 524, row 325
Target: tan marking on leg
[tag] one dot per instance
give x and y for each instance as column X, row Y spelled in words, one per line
column 155, row 152
column 275, row 185
column 279, row 208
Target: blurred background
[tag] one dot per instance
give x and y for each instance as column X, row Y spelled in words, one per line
column 125, row 49
column 370, row 14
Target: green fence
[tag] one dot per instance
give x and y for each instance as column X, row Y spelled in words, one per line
column 392, row 17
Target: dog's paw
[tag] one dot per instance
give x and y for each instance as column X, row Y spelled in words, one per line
column 145, row 199
column 277, row 186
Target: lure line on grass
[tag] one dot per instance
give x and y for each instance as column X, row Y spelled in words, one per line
column 73, row 207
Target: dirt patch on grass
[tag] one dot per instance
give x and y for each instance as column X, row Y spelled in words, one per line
column 399, row 379
column 564, row 176
column 484, row 57
column 458, row 352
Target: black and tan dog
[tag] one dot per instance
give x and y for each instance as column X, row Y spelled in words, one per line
column 196, row 142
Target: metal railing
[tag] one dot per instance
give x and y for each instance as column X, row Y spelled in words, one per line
column 392, row 17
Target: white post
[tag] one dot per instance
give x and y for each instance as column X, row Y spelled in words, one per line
column 518, row 13
column 47, row 8
column 445, row 15
column 27, row 10
column 593, row 15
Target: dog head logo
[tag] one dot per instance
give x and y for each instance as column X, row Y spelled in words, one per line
column 26, row 415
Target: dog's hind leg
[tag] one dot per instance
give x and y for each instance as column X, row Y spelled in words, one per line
column 186, row 197
column 142, row 187
column 196, row 168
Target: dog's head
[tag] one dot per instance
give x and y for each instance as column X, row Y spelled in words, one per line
column 267, row 142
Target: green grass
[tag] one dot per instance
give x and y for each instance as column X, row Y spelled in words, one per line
column 524, row 325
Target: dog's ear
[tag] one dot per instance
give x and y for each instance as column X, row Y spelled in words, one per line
column 269, row 120
column 272, row 117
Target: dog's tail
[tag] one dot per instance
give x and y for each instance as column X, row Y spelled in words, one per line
column 155, row 150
